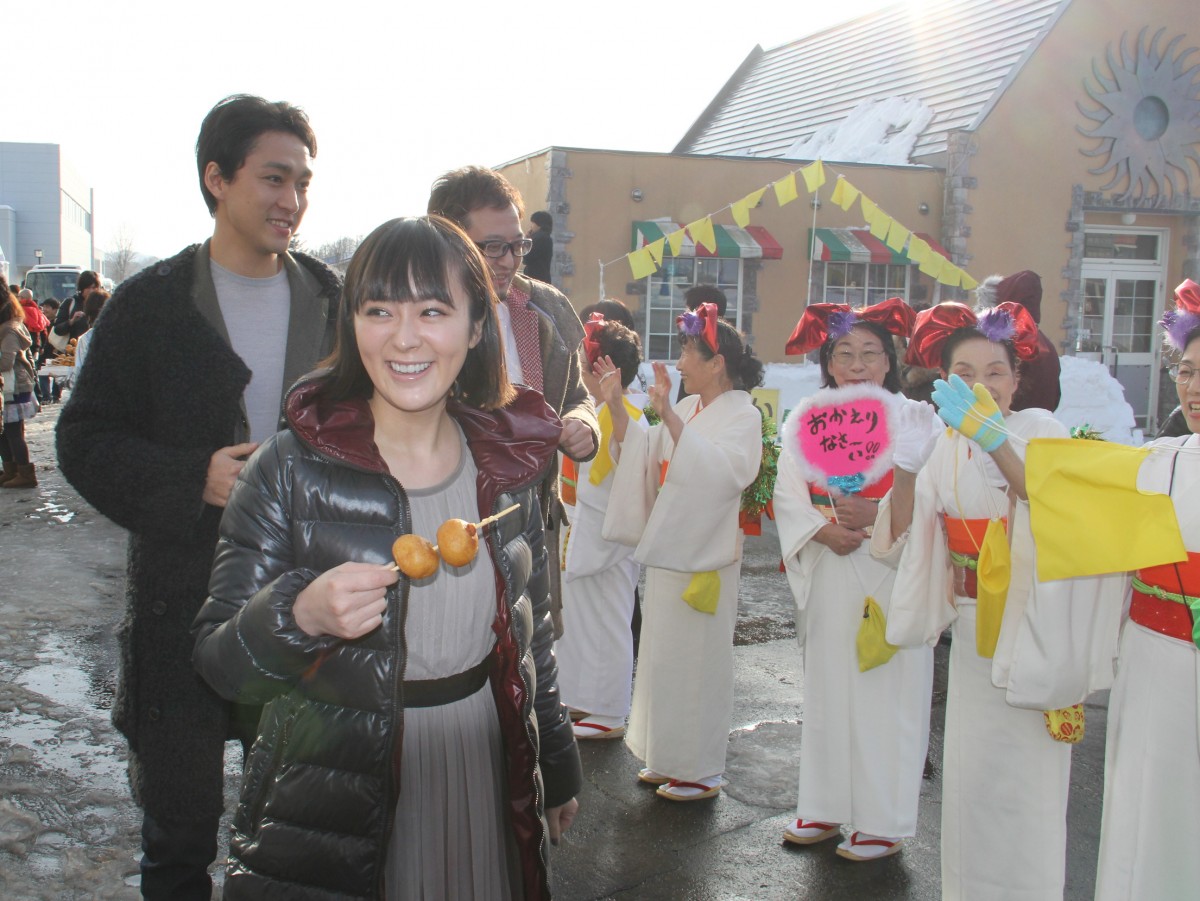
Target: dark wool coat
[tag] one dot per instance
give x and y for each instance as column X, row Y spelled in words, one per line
column 318, row 801
column 162, row 390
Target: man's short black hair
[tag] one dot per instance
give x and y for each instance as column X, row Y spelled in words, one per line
column 458, row 193
column 693, row 297
column 543, row 220
column 232, row 127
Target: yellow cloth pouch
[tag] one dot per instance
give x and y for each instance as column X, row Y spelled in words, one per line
column 1066, row 724
column 872, row 644
column 992, row 577
column 703, row 591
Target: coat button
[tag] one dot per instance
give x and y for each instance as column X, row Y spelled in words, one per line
column 158, row 608
column 154, row 714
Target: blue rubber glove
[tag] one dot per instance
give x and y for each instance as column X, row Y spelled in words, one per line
column 973, row 412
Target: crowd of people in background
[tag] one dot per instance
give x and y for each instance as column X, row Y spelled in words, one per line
column 413, row 731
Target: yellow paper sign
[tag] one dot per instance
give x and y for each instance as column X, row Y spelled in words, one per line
column 1087, row 514
column 767, row 400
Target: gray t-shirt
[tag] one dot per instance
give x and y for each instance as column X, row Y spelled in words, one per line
column 256, row 313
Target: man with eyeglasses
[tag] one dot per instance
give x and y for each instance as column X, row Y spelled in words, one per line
column 542, row 333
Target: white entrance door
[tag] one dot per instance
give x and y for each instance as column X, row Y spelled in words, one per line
column 1120, row 308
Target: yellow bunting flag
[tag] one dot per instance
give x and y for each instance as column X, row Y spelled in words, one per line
column 814, row 176
column 641, row 263
column 785, row 189
column 950, row 275
column 932, row 264
column 741, row 208
column 1079, row 491
column 897, row 235
column 675, row 240
column 870, row 210
column 918, row 250
column 844, row 193
column 703, row 234
column 657, row 248
column 879, row 228
column 967, row 282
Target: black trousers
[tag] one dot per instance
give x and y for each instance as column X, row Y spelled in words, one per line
column 176, row 855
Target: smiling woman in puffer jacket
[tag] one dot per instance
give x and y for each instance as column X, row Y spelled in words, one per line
column 413, row 744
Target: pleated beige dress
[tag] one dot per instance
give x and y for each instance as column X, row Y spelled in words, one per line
column 451, row 840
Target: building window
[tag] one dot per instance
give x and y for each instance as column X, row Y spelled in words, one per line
column 76, row 214
column 863, row 284
column 664, row 299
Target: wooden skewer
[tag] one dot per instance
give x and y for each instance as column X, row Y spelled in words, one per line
column 494, row 517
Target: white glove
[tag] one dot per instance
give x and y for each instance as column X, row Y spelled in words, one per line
column 916, row 429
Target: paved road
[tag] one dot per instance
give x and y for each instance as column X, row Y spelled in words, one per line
column 69, row 831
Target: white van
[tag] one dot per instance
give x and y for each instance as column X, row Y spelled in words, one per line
column 55, row 280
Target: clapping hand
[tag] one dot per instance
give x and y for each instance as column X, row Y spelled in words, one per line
column 660, row 391
column 971, row 411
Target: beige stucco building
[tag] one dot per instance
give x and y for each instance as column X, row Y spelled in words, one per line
column 1061, row 136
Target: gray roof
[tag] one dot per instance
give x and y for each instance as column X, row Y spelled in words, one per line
column 955, row 56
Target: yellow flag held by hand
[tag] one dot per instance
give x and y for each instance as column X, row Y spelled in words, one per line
column 1087, row 514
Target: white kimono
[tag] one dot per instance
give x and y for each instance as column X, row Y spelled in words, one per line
column 595, row 653
column 1152, row 759
column 1005, row 781
column 865, row 735
column 683, row 693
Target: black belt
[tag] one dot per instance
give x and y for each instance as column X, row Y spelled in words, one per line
column 436, row 692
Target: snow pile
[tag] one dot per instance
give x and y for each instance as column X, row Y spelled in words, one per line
column 876, row 131
column 1091, row 396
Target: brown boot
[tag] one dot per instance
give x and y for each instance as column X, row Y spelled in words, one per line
column 10, row 472
column 26, row 477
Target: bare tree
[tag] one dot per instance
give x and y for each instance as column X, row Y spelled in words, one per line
column 121, row 261
column 337, row 253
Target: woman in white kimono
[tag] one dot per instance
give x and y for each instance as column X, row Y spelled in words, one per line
column 595, row 653
column 1152, row 758
column 1021, row 648
column 865, row 734
column 703, row 454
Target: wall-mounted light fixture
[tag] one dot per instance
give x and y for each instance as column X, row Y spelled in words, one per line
column 1128, row 218
column 815, row 202
column 637, row 195
column 923, row 209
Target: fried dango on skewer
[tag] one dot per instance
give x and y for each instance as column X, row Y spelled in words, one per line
column 458, row 541
column 415, row 557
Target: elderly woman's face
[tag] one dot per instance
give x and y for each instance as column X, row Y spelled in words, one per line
column 857, row 359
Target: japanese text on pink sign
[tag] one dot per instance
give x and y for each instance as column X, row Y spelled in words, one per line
column 845, row 438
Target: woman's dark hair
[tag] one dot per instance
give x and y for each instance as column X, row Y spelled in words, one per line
column 612, row 310
column 966, row 333
column 624, row 347
column 10, row 308
column 891, row 381
column 409, row 260
column 94, row 304
column 744, row 369
column 232, row 128
column 87, row 279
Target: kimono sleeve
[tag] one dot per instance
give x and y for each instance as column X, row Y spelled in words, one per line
column 798, row 522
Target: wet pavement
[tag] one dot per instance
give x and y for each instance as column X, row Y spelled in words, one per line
column 68, row 829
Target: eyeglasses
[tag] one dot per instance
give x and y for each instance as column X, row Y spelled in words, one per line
column 1180, row 374
column 495, row 250
column 847, row 358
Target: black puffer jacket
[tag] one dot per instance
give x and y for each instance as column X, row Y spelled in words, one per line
column 318, row 796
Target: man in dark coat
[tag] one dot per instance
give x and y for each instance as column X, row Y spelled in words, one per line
column 71, row 321
column 541, row 233
column 185, row 375
column 542, row 333
column 1039, row 378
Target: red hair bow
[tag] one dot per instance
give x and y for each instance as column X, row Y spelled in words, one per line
column 822, row 322
column 1006, row 323
column 591, row 343
column 701, row 322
